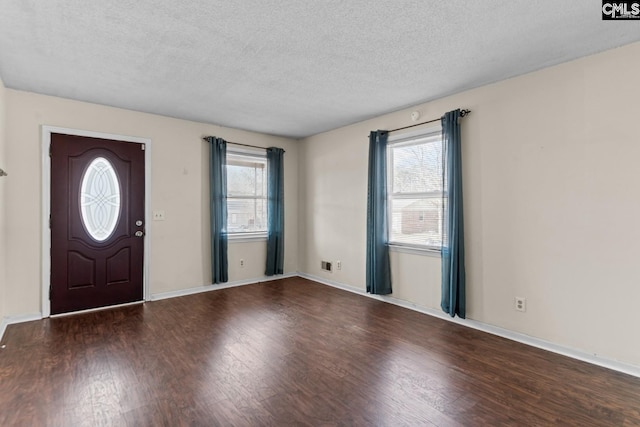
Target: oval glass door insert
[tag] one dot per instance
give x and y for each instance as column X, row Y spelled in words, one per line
column 100, row 199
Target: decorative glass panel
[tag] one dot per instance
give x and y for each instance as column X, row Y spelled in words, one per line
column 100, row 199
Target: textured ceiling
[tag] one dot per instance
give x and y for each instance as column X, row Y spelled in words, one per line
column 284, row 67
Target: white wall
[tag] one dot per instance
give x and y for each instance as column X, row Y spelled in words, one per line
column 3, row 180
column 180, row 252
column 550, row 208
column 551, row 204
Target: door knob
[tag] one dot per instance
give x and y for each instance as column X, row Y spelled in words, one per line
column 139, row 233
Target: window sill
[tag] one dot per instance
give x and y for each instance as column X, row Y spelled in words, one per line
column 415, row 250
column 246, row 237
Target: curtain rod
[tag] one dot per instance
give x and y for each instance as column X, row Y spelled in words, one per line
column 244, row 145
column 462, row 114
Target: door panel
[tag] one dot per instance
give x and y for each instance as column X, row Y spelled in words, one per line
column 97, row 195
column 119, row 267
column 81, row 271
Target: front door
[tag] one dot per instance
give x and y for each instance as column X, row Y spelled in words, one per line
column 97, row 222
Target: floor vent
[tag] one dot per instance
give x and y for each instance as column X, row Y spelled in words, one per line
column 326, row 266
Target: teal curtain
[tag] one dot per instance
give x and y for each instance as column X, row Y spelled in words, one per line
column 218, row 188
column 378, row 265
column 453, row 274
column 275, row 211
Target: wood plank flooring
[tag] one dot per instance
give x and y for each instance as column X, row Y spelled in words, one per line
column 292, row 352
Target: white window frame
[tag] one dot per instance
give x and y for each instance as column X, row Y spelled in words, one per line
column 247, row 236
column 404, row 140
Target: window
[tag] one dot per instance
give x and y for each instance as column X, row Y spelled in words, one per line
column 415, row 193
column 246, row 194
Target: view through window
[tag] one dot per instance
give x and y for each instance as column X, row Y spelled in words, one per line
column 246, row 193
column 415, row 192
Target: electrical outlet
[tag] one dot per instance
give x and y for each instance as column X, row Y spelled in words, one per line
column 158, row 215
column 241, row 263
column 339, row 265
column 520, row 303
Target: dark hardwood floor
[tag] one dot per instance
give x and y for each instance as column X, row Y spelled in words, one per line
column 292, row 352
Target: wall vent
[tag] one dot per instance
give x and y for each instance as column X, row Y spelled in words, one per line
column 326, row 266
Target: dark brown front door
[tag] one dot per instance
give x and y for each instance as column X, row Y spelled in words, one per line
column 97, row 222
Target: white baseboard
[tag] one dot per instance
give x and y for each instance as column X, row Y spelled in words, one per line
column 491, row 329
column 20, row 318
column 10, row 320
column 208, row 288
